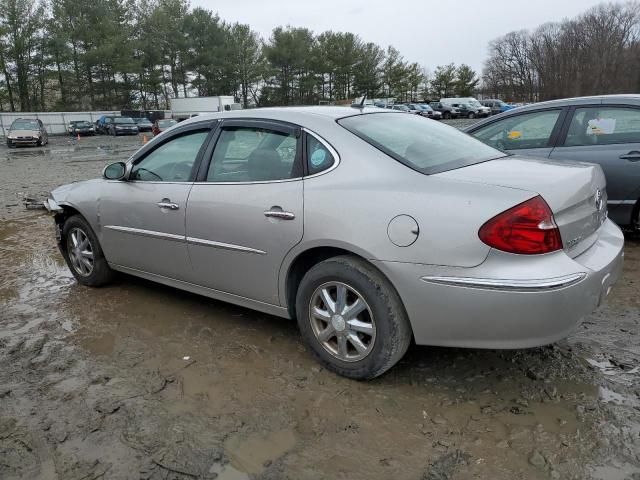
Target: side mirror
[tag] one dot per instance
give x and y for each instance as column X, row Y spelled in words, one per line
column 115, row 171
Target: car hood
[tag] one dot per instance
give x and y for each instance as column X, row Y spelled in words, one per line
column 23, row 133
column 61, row 193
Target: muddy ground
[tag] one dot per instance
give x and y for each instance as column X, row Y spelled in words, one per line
column 138, row 380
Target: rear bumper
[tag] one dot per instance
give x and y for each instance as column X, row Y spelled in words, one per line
column 509, row 301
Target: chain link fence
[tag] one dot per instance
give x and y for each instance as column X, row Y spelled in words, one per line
column 55, row 122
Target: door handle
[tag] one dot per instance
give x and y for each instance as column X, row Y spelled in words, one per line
column 279, row 214
column 632, row 156
column 168, row 204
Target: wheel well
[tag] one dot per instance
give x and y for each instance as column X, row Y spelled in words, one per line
column 61, row 217
column 635, row 215
column 304, row 262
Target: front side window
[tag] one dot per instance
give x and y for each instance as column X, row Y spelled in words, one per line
column 171, row 161
column 530, row 130
column 603, row 126
column 319, row 157
column 248, row 154
column 428, row 147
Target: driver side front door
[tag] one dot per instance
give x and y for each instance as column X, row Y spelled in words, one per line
column 143, row 218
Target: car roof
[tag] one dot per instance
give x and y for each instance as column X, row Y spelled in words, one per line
column 297, row 115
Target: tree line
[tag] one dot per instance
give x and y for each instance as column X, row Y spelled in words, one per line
column 113, row 54
column 595, row 53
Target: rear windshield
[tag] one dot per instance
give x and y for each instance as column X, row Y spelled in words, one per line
column 419, row 143
column 25, row 125
column 123, row 120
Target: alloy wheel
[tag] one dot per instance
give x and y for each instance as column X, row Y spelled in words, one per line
column 80, row 252
column 342, row 321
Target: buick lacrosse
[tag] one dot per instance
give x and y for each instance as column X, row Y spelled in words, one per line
column 368, row 226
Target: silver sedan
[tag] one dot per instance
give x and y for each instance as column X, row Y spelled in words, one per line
column 369, row 227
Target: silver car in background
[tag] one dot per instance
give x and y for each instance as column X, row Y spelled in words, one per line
column 368, row 226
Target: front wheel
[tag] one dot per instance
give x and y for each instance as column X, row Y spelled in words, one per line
column 471, row 115
column 83, row 254
column 446, row 115
column 352, row 318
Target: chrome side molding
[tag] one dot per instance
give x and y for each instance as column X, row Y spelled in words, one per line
column 505, row 284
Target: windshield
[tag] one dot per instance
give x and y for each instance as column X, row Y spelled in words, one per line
column 404, row 108
column 142, row 120
column 426, row 108
column 25, row 125
column 82, row 124
column 428, row 147
column 166, row 123
column 123, row 120
column 474, row 103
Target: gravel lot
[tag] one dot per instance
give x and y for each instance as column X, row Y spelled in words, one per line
column 138, row 380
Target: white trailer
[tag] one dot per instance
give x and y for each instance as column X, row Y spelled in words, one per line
column 182, row 108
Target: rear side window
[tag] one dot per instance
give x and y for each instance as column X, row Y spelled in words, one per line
column 529, row 130
column 603, row 126
column 423, row 145
column 319, row 158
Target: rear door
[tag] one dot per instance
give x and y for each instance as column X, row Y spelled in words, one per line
column 528, row 133
column 608, row 135
column 245, row 212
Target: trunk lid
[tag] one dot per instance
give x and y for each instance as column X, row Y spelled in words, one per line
column 576, row 192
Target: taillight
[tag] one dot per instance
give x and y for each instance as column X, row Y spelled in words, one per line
column 527, row 228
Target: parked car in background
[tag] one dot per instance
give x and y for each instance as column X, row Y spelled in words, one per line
column 103, row 123
column 144, row 125
column 123, row 126
column 467, row 106
column 447, row 111
column 161, row 125
column 81, row 127
column 427, row 111
column 602, row 129
column 399, row 108
column 496, row 106
column 27, row 132
column 423, row 110
column 249, row 207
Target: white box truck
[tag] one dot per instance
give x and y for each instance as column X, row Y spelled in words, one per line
column 182, row 108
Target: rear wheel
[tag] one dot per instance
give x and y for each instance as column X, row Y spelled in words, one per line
column 83, row 253
column 352, row 318
column 446, row 115
column 471, row 115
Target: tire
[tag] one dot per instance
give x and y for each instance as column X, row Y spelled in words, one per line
column 471, row 115
column 100, row 273
column 446, row 115
column 383, row 315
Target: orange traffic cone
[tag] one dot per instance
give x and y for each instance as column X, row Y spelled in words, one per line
column 144, row 139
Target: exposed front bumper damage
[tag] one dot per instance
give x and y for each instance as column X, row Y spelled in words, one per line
column 509, row 301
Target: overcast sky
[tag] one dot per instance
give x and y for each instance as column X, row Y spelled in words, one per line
column 430, row 32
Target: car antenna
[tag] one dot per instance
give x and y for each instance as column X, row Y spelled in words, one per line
column 359, row 102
